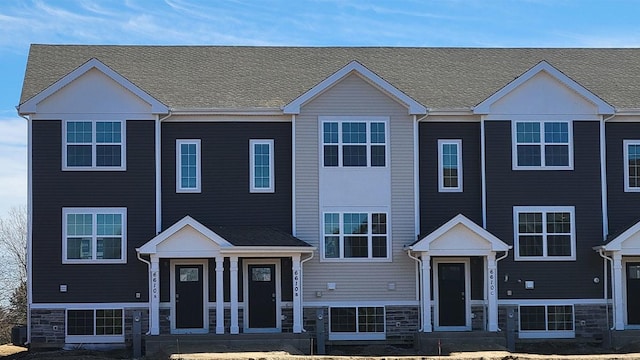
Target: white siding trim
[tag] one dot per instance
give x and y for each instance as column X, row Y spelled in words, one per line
column 625, row 164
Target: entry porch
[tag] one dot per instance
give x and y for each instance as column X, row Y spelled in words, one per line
column 224, row 280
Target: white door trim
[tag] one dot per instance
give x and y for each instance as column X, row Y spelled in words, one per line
column 205, row 295
column 467, row 291
column 245, row 294
column 625, row 261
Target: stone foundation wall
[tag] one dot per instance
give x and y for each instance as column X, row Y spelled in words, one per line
column 402, row 323
column 478, row 318
column 165, row 321
column 128, row 322
column 287, row 320
column 47, row 328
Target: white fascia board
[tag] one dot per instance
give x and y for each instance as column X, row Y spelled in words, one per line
column 29, row 106
column 414, row 107
column 603, row 106
column 616, row 243
column 267, row 251
column 150, row 246
column 496, row 244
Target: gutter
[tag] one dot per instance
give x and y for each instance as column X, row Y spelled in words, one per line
column 600, row 250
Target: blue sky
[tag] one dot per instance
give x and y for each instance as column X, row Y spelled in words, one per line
column 457, row 23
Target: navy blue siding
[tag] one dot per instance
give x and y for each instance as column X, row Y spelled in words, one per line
column 225, row 198
column 580, row 188
column 623, row 206
column 54, row 189
column 436, row 208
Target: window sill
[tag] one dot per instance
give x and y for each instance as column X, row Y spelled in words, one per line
column 105, row 168
column 355, row 260
column 542, row 334
column 542, row 168
column 357, row 336
column 547, row 258
column 114, row 261
column 94, row 339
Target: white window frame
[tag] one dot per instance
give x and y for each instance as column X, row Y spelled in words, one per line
column 357, row 335
column 441, row 184
column 179, row 188
column 625, row 150
column 544, row 210
column 357, row 119
column 369, row 235
column 94, row 167
column 252, row 180
column 541, row 144
column 81, row 339
column 94, row 248
column 546, row 334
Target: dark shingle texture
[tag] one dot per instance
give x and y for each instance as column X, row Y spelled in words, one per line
column 257, row 236
column 271, row 77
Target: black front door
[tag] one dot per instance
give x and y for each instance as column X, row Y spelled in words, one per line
column 189, row 294
column 633, row 293
column 262, row 296
column 451, row 294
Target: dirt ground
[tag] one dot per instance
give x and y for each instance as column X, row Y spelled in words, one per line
column 531, row 352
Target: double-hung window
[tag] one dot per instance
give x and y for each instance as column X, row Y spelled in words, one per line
column 352, row 235
column 94, row 235
column 95, row 325
column 545, row 233
column 631, row 165
column 94, row 145
column 188, row 165
column 546, row 321
column 358, row 322
column 542, row 145
column 450, row 165
column 354, row 142
column 261, row 166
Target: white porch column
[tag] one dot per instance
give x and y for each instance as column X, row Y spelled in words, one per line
column 219, row 295
column 492, row 292
column 154, row 295
column 426, row 293
column 297, row 294
column 617, row 291
column 234, row 295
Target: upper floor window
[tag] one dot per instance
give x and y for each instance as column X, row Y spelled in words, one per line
column 261, row 166
column 97, row 145
column 355, row 235
column 631, row 165
column 544, row 233
column 354, row 141
column 94, row 235
column 450, row 165
column 188, row 165
column 542, row 145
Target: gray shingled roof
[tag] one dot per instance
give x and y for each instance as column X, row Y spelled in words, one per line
column 271, row 77
column 257, row 236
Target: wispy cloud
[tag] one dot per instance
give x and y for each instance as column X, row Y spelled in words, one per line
column 13, row 162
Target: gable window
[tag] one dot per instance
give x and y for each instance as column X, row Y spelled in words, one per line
column 631, row 165
column 261, row 166
column 450, row 165
column 546, row 321
column 97, row 145
column 354, row 142
column 542, row 145
column 188, row 165
column 358, row 322
column 93, row 325
column 94, row 235
column 544, row 233
column 355, row 235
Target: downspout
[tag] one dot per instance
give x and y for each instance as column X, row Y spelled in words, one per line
column 302, row 284
column 149, row 302
column 420, row 274
column 606, row 288
column 506, row 253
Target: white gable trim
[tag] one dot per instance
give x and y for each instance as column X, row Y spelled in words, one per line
column 603, row 107
column 151, row 246
column 29, row 106
column 415, row 108
column 617, row 244
column 495, row 243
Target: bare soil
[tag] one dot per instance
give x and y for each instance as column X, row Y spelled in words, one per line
column 537, row 351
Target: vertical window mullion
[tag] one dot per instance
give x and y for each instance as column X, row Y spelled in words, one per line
column 341, row 234
column 94, row 237
column 543, row 214
column 543, row 143
column 94, row 144
column 370, row 235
